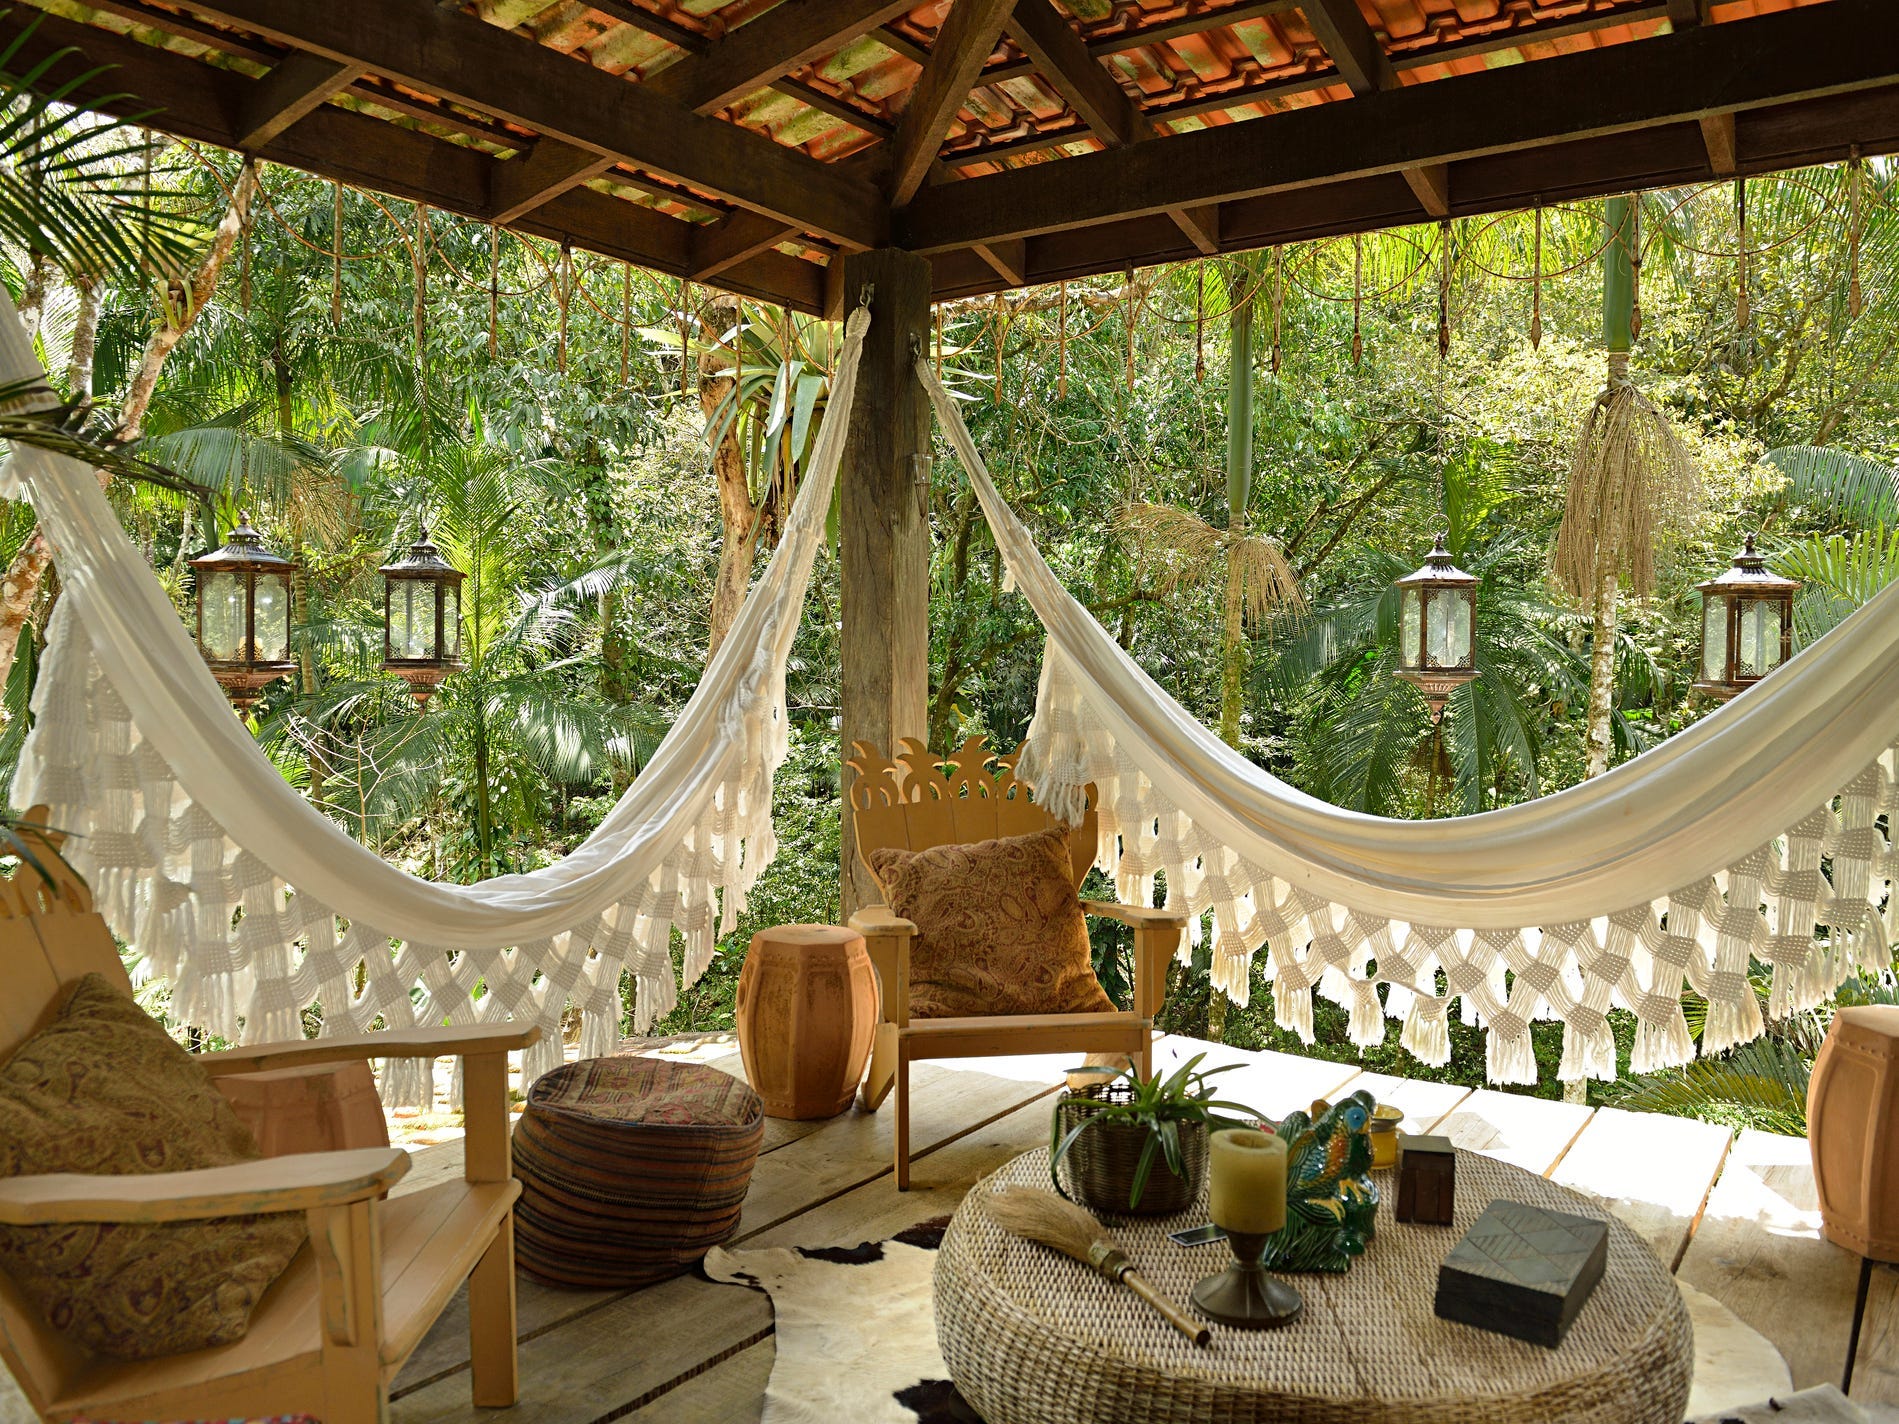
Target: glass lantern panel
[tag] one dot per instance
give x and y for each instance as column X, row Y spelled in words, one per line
column 1714, row 639
column 1758, row 650
column 221, row 599
column 451, row 623
column 1410, row 630
column 1447, row 630
column 273, row 618
column 412, row 619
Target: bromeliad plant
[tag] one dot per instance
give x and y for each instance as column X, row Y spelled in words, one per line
column 1162, row 1107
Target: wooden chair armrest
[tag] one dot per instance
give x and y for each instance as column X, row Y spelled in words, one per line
column 1136, row 916
column 301, row 1182
column 455, row 1040
column 887, row 937
column 881, row 920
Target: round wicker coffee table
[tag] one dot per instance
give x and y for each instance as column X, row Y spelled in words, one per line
column 1033, row 1338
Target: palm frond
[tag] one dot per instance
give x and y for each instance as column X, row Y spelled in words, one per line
column 1837, row 486
column 1766, row 1081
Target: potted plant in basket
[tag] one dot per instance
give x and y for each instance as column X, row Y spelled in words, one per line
column 1111, row 1135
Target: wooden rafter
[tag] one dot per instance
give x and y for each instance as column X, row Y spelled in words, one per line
column 542, row 174
column 1192, row 23
column 719, row 247
column 455, row 56
column 200, row 102
column 291, row 90
column 1685, row 13
column 779, row 41
column 1354, row 50
column 965, row 42
column 1063, row 60
column 1717, row 135
column 1363, row 64
column 1818, row 50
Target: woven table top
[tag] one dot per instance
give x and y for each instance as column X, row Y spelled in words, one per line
column 1033, row 1338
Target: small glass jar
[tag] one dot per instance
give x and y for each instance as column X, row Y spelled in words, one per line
column 1383, row 1129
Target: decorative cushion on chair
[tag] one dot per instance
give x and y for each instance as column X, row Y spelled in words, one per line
column 999, row 927
column 103, row 1089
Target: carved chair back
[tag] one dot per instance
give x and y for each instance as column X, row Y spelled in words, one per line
column 922, row 800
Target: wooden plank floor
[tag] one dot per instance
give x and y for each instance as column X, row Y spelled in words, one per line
column 1734, row 1215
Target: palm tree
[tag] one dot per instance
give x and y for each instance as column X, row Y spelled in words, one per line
column 1854, row 499
column 1630, row 469
column 506, row 731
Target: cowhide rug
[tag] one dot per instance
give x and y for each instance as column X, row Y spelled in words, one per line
column 856, row 1331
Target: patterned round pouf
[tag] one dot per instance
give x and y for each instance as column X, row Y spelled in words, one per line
column 631, row 1169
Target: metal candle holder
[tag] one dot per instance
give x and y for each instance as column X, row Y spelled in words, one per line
column 1244, row 1295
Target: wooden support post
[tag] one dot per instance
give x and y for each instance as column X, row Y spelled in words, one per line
column 884, row 528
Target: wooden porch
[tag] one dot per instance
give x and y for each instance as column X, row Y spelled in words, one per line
column 1733, row 1214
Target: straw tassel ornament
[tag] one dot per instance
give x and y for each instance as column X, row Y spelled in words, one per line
column 1046, row 1219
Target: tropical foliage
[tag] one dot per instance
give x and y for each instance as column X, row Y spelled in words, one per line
column 1227, row 462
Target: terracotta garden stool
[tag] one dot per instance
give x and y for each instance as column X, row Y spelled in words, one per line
column 631, row 1169
column 807, row 1011
column 1853, row 1129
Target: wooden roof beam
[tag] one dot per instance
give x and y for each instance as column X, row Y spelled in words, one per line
column 287, row 93
column 1121, row 41
column 783, row 39
column 1805, row 53
column 1685, row 14
column 455, row 56
column 542, row 174
column 963, row 45
column 1363, row 64
column 718, row 247
column 200, row 102
column 1063, row 60
column 1717, row 136
column 1349, row 42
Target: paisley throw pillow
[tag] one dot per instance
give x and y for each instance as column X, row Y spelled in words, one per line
column 999, row 927
column 103, row 1089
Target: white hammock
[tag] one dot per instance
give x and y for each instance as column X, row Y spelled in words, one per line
column 1677, row 866
column 181, row 822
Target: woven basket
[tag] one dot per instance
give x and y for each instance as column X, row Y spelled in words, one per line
column 1098, row 1169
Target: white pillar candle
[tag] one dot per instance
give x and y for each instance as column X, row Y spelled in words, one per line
column 1247, row 1181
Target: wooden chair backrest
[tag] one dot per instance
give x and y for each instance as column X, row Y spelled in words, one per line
column 922, row 800
column 50, row 936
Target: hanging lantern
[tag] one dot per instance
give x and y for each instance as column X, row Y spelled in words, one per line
column 1746, row 625
column 421, row 617
column 1437, row 628
column 244, row 614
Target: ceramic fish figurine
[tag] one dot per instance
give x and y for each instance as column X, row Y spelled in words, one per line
column 1331, row 1200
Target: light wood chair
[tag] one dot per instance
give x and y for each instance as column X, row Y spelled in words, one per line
column 913, row 804
column 334, row 1329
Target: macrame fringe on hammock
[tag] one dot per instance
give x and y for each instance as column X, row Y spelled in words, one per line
column 1761, row 835
column 253, row 907
column 1812, row 926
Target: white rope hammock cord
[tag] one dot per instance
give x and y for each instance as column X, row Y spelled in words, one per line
column 1672, row 871
column 254, row 905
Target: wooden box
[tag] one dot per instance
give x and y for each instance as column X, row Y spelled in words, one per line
column 1523, row 1271
column 1427, row 1180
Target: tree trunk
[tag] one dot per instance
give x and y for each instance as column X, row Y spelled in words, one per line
column 738, row 516
column 1233, row 640
column 90, row 290
column 182, row 304
column 39, row 276
column 1239, row 493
